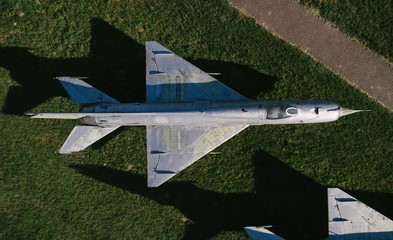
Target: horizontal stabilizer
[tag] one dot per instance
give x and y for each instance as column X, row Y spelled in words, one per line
column 261, row 233
column 83, row 136
column 83, row 93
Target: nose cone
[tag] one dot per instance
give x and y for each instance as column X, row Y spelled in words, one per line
column 346, row 111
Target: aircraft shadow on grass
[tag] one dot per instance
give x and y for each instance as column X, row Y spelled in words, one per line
column 294, row 204
column 115, row 65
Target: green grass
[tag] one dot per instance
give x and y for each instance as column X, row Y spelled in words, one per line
column 368, row 21
column 267, row 175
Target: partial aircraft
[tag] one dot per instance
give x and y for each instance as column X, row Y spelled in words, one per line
column 187, row 113
column 351, row 219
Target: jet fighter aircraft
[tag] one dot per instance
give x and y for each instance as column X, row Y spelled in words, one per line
column 187, row 113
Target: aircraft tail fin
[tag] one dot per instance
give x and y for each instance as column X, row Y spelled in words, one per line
column 83, row 136
column 83, row 93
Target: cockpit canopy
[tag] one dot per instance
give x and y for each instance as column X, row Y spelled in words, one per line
column 278, row 112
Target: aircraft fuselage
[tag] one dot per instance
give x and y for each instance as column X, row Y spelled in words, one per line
column 211, row 113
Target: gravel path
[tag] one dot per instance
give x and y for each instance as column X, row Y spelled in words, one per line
column 348, row 58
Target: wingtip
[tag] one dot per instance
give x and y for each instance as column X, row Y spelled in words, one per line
column 152, row 184
column 30, row 114
column 61, row 77
column 34, row 115
column 64, row 151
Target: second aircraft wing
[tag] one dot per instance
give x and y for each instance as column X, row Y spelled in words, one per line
column 171, row 78
column 170, row 149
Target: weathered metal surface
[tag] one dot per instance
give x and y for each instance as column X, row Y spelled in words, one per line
column 188, row 113
column 351, row 219
column 83, row 136
column 261, row 233
column 170, row 149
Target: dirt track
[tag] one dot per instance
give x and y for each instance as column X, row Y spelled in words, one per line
column 345, row 56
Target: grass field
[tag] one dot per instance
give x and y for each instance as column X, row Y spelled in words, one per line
column 267, row 175
column 368, row 21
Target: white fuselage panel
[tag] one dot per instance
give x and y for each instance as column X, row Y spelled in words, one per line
column 211, row 113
